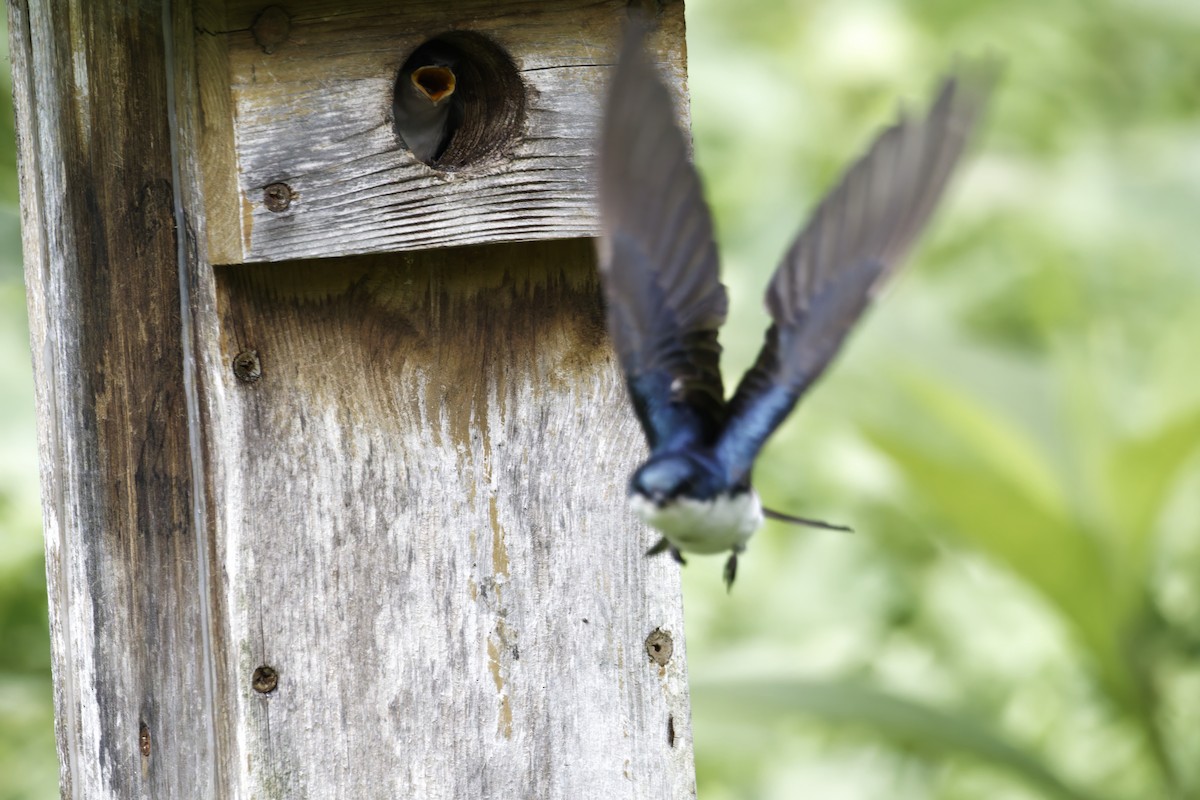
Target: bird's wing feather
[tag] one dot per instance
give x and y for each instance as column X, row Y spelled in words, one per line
column 658, row 262
column 858, row 236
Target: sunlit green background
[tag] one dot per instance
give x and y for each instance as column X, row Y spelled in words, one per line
column 1013, row 432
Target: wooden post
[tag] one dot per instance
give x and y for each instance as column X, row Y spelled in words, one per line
column 345, row 526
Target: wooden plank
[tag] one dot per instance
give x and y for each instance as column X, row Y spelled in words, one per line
column 428, row 535
column 133, row 698
column 398, row 563
column 315, row 113
column 213, row 102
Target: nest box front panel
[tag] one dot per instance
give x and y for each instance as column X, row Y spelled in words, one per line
column 335, row 128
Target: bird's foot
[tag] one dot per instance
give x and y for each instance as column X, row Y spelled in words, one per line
column 659, row 547
column 663, row 546
column 731, row 569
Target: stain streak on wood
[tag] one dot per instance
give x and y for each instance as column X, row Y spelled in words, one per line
column 100, row 250
column 410, row 403
column 229, row 219
column 408, row 512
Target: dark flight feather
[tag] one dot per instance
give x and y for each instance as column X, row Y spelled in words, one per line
column 659, row 262
column 858, row 236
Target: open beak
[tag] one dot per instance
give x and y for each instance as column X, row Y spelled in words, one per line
column 436, row 83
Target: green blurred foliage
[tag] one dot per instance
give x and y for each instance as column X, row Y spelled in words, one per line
column 1013, row 432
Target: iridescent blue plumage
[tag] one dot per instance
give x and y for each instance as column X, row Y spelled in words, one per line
column 665, row 300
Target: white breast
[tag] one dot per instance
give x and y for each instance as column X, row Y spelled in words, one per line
column 704, row 526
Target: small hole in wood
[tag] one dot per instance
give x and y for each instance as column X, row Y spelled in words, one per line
column 458, row 101
column 660, row 646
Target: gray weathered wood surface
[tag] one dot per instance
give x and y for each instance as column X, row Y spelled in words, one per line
column 134, row 704
column 426, row 535
column 410, row 528
column 315, row 113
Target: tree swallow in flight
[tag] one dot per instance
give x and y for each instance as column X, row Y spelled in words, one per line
column 665, row 301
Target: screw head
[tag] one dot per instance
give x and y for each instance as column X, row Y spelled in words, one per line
column 277, row 197
column 264, row 680
column 247, row 367
column 271, row 28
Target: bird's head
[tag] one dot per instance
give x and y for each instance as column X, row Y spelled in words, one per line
column 665, row 478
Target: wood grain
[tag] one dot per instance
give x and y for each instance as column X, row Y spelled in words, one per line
column 415, row 517
column 428, row 536
column 316, row 114
column 133, row 703
column 213, row 107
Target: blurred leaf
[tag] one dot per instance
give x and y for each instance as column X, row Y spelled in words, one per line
column 1058, row 410
column 28, row 764
column 1002, row 447
column 906, row 723
column 995, row 492
column 1141, row 473
column 24, row 620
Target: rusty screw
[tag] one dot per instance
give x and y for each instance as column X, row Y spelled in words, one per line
column 247, row 367
column 264, row 680
column 277, row 197
column 659, row 646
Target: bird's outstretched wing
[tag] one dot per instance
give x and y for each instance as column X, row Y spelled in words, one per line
column 858, row 235
column 658, row 262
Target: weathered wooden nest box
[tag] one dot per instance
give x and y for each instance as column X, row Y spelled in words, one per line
column 350, row 523
column 304, row 152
